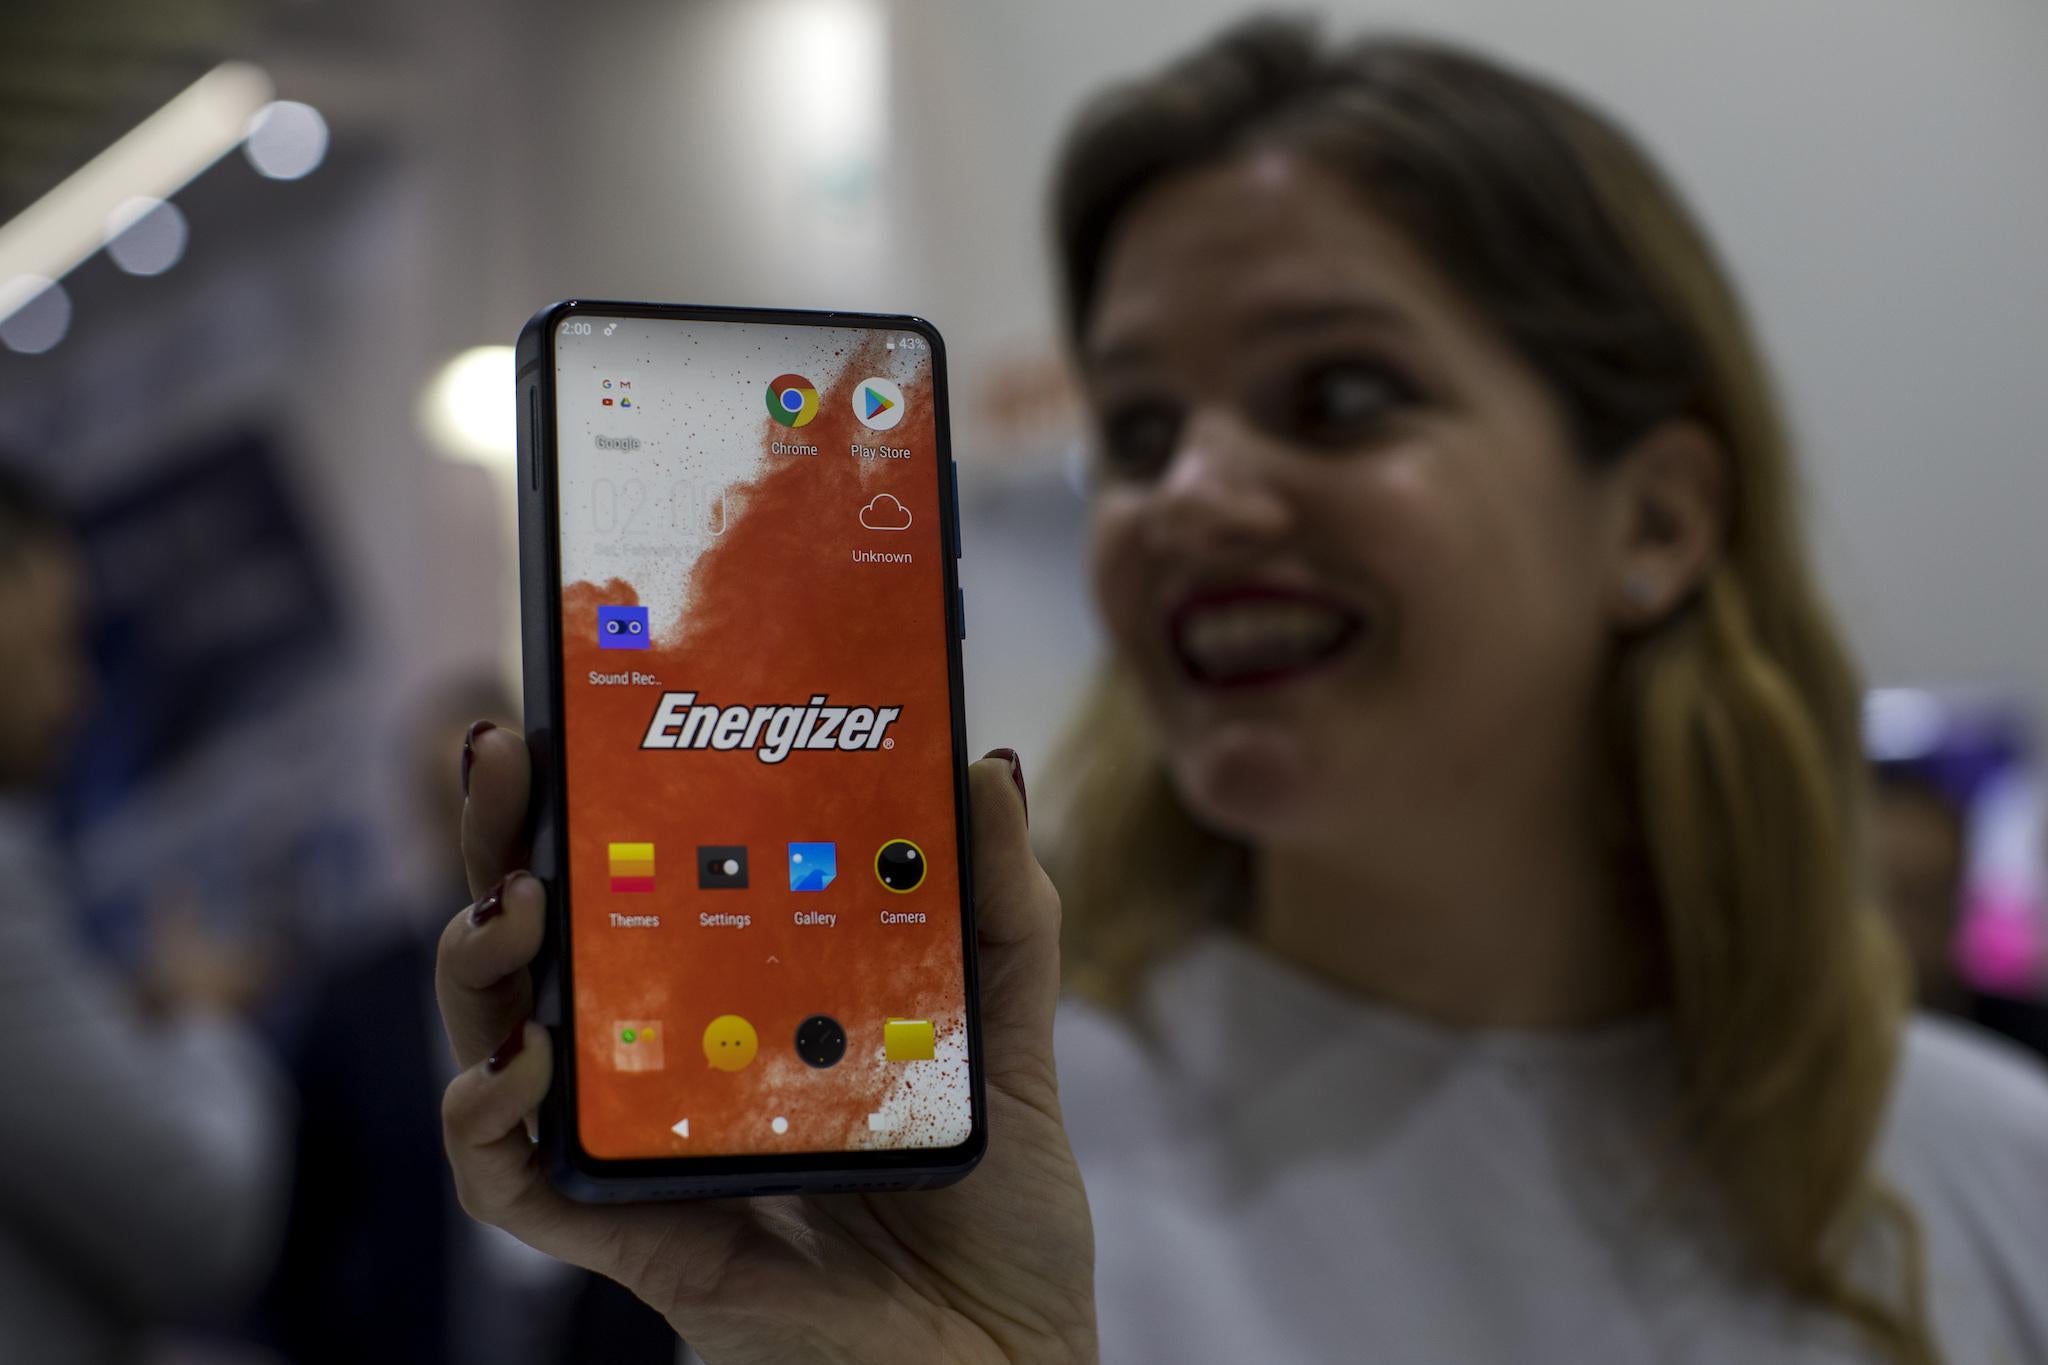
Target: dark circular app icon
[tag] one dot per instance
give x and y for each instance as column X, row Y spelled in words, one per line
column 900, row 865
column 820, row 1041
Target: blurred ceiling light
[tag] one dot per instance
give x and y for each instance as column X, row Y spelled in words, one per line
column 39, row 321
column 469, row 411
column 146, row 236
column 1901, row 723
column 153, row 160
column 833, row 115
column 286, row 139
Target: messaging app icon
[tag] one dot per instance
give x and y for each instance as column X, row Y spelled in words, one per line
column 730, row 1043
column 878, row 403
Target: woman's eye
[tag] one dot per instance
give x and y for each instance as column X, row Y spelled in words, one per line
column 1138, row 440
column 1337, row 404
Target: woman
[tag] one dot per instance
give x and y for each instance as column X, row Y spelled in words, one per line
column 1463, row 871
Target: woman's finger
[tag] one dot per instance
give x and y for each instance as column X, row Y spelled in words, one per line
column 480, row 971
column 1017, row 924
column 494, row 816
column 661, row 1252
column 497, row 1168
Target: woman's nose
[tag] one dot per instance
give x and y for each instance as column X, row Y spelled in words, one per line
column 1217, row 492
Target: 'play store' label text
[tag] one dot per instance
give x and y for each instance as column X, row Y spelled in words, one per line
column 861, row 452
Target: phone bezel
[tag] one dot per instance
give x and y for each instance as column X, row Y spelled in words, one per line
column 571, row 1168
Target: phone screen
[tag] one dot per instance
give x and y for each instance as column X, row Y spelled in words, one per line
column 757, row 735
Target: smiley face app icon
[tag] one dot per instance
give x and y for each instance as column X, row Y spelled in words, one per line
column 730, row 1043
column 899, row 865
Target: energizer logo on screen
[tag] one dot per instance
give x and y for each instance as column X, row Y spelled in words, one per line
column 771, row 732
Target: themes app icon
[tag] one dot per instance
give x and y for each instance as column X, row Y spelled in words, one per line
column 632, row 867
column 622, row 627
column 792, row 400
column 878, row 403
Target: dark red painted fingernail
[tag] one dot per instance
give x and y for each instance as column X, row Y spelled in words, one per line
column 492, row 903
column 514, row 1043
column 469, row 749
column 1016, row 775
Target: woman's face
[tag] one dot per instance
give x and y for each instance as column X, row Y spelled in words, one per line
column 1341, row 538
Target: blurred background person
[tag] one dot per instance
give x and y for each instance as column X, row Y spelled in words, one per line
column 141, row 1145
column 1921, row 841
column 379, row 1262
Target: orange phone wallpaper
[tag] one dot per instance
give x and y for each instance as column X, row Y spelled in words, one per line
column 765, row 925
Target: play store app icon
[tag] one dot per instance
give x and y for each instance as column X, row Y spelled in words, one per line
column 878, row 403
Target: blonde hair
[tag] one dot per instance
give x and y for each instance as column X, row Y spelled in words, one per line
column 1735, row 728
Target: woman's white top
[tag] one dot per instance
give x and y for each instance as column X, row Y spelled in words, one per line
column 1281, row 1173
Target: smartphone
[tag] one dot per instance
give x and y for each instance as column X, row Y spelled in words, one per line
column 741, row 626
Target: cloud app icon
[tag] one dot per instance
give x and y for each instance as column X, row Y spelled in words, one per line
column 885, row 513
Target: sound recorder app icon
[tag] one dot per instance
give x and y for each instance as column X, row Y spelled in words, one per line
column 622, row 627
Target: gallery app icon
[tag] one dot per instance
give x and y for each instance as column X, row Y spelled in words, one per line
column 636, row 1044
column 908, row 1040
column 622, row 627
column 878, row 403
column 792, row 400
column 812, row 866
column 721, row 867
column 632, row 867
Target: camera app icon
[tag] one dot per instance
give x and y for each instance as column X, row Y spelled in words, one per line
column 899, row 866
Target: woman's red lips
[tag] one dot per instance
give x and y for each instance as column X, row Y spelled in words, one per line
column 1249, row 635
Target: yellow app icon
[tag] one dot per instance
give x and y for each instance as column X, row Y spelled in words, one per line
column 730, row 1043
column 908, row 1040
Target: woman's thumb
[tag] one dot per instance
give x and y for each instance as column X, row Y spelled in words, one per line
column 1017, row 926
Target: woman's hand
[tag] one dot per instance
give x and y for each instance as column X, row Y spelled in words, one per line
column 999, row 1267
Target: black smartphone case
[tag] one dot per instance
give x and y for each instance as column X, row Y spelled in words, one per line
column 571, row 1169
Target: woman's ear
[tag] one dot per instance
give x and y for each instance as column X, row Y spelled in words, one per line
column 1668, row 501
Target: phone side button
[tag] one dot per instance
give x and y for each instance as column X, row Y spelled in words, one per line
column 533, row 438
column 953, row 482
column 960, row 610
